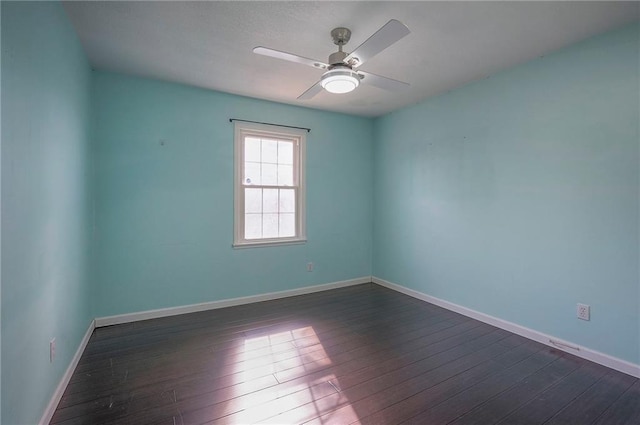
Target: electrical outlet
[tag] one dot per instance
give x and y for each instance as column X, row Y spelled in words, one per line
column 584, row 311
column 309, row 267
column 52, row 350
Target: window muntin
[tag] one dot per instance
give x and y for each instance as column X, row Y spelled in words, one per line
column 269, row 185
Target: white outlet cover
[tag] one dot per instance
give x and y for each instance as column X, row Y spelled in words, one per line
column 583, row 311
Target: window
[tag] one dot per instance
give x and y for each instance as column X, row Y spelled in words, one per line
column 269, row 185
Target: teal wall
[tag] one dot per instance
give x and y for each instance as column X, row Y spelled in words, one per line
column 1, row 215
column 164, row 197
column 517, row 195
column 45, row 203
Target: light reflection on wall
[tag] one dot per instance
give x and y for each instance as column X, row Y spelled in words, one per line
column 305, row 387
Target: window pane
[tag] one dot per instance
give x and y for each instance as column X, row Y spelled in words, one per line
column 285, row 175
column 285, row 152
column 270, row 151
column 253, row 226
column 270, row 201
column 252, row 149
column 287, row 200
column 269, row 174
column 251, row 173
column 253, row 200
column 287, row 225
column 270, row 225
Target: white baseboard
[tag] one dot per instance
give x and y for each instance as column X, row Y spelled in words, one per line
column 212, row 305
column 57, row 395
column 575, row 349
column 586, row 353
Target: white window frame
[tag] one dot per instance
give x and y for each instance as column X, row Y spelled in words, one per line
column 243, row 130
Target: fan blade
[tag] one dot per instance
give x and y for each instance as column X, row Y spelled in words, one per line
column 382, row 82
column 311, row 91
column 289, row 57
column 391, row 32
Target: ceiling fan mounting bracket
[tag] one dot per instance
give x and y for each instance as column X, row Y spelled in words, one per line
column 341, row 36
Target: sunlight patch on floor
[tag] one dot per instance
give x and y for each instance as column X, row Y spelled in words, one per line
column 306, row 388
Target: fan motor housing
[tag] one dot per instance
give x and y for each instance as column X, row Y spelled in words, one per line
column 337, row 58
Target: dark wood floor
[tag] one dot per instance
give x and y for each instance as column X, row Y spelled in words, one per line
column 362, row 354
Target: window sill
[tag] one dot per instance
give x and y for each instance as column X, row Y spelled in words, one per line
column 262, row 244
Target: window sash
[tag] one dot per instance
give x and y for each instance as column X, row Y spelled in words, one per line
column 244, row 213
column 295, row 142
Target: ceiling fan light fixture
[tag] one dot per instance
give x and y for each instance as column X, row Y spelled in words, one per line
column 340, row 80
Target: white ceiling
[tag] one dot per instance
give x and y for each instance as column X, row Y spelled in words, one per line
column 209, row 44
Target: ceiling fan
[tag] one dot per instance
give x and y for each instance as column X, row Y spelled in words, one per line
column 342, row 72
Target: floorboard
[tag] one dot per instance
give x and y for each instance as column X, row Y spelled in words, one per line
column 357, row 355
